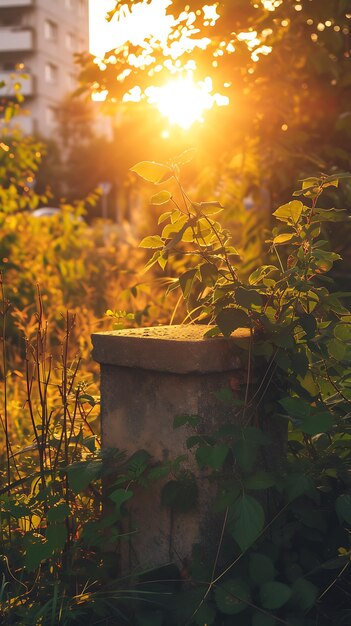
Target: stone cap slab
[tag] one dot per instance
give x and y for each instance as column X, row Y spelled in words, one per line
column 177, row 349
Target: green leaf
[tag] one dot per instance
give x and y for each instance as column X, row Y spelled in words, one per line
column 37, row 550
column 56, row 535
column 343, row 332
column 161, row 197
column 261, row 273
column 304, row 594
column 337, row 349
column 209, row 274
column 231, row 597
column 274, row 595
column 82, row 473
column 248, row 298
column 289, row 212
column 153, row 241
column 309, row 325
column 185, row 157
column 245, row 453
column 213, row 456
column 296, row 484
column 343, row 507
column 261, row 568
column 283, row 238
column 181, row 495
column 317, row 423
column 246, row 520
column 119, row 497
column 151, row 171
column 330, row 215
column 230, row 319
column 58, row 512
column 164, row 217
column 260, row 480
column 188, row 420
column 209, row 208
column 186, row 281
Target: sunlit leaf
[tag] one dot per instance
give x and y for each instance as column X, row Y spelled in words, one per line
column 185, row 157
column 290, row 211
column 283, row 238
column 161, row 197
column 153, row 241
column 151, row 171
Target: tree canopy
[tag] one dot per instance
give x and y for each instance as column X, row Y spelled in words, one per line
column 283, row 64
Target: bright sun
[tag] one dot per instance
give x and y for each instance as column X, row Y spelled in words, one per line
column 181, row 100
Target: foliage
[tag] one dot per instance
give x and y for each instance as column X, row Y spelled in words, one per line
column 288, row 115
column 290, row 560
column 287, row 85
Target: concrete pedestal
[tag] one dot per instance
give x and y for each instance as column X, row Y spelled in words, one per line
column 148, row 376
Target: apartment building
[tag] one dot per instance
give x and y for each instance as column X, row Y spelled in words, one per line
column 38, row 40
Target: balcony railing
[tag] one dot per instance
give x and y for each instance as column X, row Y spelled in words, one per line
column 12, row 80
column 12, row 39
column 6, row 4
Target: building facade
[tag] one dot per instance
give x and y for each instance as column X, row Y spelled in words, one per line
column 38, row 40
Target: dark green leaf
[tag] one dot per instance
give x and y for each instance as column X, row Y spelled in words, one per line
column 213, row 456
column 343, row 507
column 189, row 420
column 230, row 319
column 248, row 298
column 231, row 597
column 56, row 535
column 246, row 520
column 261, row 568
column 274, row 595
column 260, row 480
column 119, row 497
column 186, row 281
column 180, row 495
column 58, row 512
column 304, row 594
column 82, row 473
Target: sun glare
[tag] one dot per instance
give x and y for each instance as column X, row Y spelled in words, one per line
column 183, row 101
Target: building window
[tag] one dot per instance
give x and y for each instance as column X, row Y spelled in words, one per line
column 50, row 30
column 70, row 39
column 50, row 116
column 72, row 81
column 51, row 73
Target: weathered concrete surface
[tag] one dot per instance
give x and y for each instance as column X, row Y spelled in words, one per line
column 176, row 349
column 148, row 377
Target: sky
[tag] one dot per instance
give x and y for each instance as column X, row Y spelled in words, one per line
column 102, row 35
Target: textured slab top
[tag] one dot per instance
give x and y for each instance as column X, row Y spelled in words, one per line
column 177, row 349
